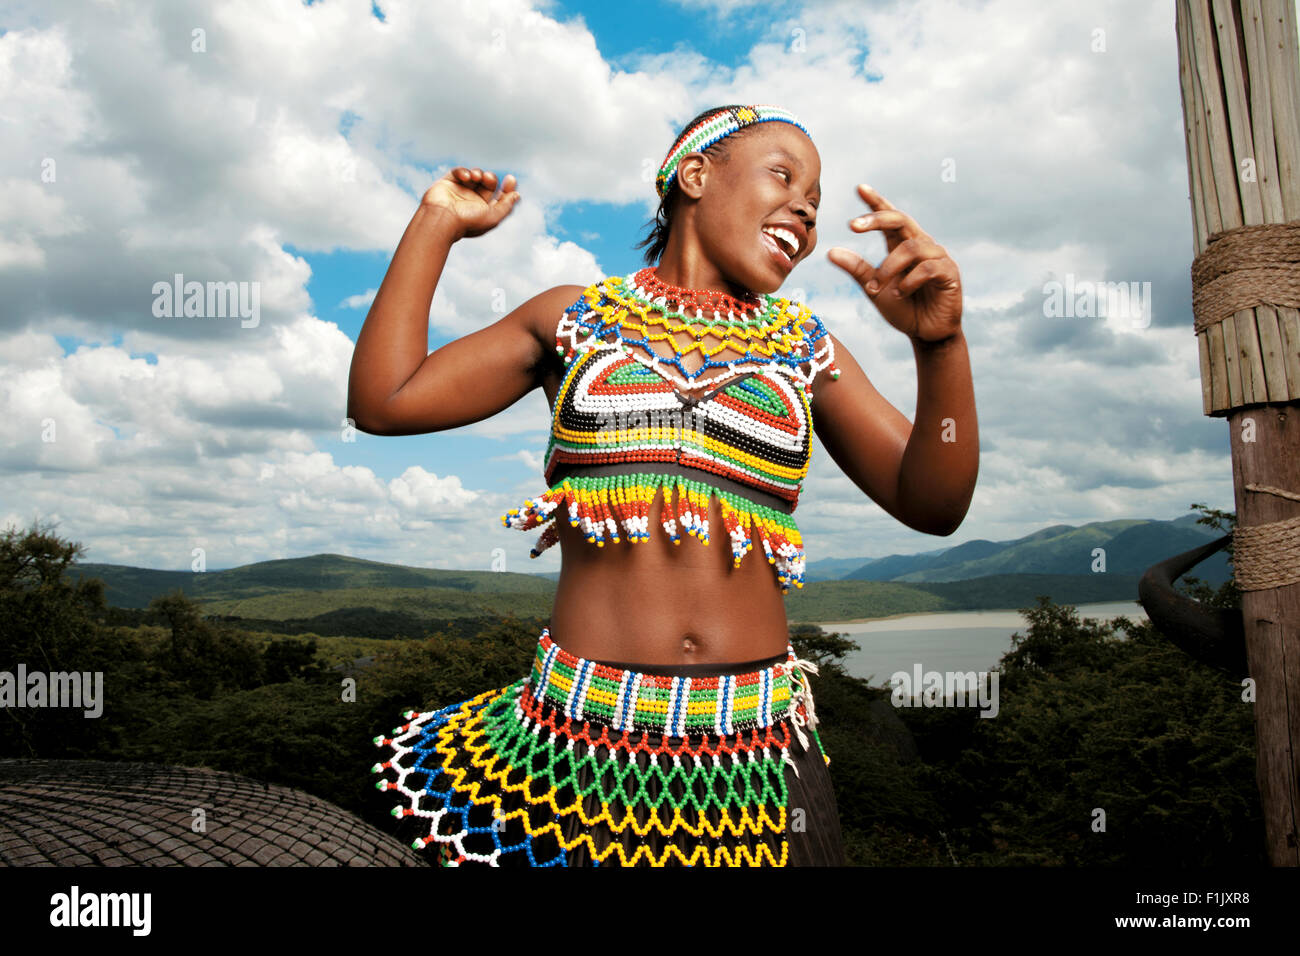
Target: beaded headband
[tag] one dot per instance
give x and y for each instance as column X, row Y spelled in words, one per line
column 716, row 126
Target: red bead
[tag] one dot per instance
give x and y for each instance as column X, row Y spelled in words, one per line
column 690, row 300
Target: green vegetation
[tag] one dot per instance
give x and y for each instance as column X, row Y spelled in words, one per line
column 1162, row 744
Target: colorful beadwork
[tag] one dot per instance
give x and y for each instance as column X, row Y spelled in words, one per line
column 673, row 706
column 716, row 126
column 701, row 305
column 582, row 762
column 630, row 424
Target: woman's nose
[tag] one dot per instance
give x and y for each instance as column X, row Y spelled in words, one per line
column 805, row 211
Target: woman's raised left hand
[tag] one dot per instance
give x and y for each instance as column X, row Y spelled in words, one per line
column 917, row 287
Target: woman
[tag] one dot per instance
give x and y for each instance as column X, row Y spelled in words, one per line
column 666, row 719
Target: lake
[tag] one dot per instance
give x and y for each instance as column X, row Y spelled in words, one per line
column 952, row 641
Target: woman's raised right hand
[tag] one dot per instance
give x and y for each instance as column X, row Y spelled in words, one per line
column 466, row 194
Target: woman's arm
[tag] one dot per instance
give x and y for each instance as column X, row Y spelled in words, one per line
column 923, row 475
column 396, row 387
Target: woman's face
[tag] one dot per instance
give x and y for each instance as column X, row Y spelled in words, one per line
column 757, row 213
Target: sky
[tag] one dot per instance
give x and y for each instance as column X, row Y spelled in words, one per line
column 283, row 146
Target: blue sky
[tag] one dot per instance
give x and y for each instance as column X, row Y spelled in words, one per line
column 659, row 27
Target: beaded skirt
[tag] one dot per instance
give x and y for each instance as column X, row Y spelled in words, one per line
column 585, row 763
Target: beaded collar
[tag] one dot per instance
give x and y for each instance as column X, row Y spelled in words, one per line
column 784, row 335
column 709, row 306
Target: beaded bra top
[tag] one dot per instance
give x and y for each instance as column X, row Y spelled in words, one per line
column 629, row 421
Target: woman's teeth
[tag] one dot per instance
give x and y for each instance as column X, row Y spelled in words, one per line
column 782, row 240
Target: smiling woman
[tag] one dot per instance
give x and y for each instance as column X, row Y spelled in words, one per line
column 666, row 719
column 711, row 134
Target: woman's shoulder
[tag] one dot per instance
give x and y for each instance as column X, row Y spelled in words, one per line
column 562, row 300
column 546, row 309
column 814, row 349
column 567, row 296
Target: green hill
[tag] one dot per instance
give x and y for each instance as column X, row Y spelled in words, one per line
column 1130, row 545
column 136, row 587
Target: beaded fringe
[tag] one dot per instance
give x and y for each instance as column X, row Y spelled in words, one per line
column 604, row 506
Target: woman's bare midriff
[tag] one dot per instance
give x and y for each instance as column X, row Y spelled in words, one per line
column 659, row 603
column 654, row 602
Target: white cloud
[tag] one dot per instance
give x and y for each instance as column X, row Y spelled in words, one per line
column 424, row 492
column 361, row 300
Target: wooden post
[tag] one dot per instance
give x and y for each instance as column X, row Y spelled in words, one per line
column 1270, row 620
column 1239, row 69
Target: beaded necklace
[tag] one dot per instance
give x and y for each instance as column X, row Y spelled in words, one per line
column 776, row 337
column 707, row 304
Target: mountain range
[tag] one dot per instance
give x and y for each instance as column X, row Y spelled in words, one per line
column 342, row 595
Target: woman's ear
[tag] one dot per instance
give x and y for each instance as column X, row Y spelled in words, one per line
column 691, row 173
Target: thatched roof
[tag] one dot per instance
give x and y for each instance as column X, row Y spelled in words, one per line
column 95, row 813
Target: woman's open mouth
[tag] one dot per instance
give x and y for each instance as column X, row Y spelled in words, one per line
column 781, row 243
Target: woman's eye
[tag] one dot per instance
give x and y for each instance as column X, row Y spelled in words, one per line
column 784, row 173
